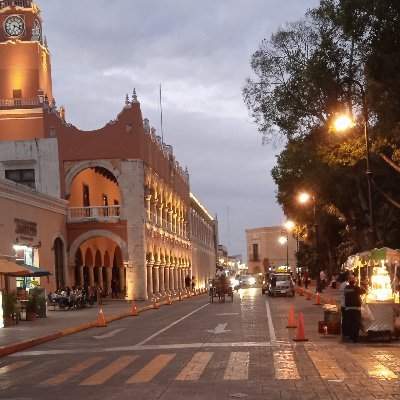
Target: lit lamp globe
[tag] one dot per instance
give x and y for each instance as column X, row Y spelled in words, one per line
column 304, row 197
column 289, row 225
column 342, row 123
column 282, row 240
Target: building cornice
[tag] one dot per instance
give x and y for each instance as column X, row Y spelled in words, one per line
column 19, row 194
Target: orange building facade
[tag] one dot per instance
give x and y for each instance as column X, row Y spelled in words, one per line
column 126, row 200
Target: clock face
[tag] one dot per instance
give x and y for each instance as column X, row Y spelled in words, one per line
column 14, row 26
column 37, row 29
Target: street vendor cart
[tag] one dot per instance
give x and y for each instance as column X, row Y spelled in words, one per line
column 380, row 310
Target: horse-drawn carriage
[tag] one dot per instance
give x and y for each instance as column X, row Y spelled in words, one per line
column 219, row 288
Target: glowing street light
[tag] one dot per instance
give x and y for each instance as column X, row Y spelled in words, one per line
column 341, row 124
column 305, row 198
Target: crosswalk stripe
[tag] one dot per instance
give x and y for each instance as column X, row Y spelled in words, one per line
column 326, row 366
column 70, row 372
column 108, row 372
column 13, row 366
column 285, row 365
column 238, row 366
column 148, row 372
column 195, row 367
column 372, row 367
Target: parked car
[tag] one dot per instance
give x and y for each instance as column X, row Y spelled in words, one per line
column 281, row 284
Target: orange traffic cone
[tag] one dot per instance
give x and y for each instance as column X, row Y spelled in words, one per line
column 301, row 292
column 317, row 301
column 101, row 321
column 308, row 295
column 291, row 321
column 134, row 309
column 180, row 296
column 154, row 306
column 300, row 336
column 168, row 300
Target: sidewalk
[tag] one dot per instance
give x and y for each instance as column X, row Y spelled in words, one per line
column 61, row 323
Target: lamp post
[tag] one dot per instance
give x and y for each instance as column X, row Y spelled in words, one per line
column 289, row 225
column 343, row 123
column 305, row 198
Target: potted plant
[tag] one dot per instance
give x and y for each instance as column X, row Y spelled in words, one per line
column 9, row 307
column 32, row 305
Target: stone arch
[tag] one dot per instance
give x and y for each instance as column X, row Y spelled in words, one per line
column 95, row 233
column 82, row 165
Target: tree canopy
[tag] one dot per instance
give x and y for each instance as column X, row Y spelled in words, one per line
column 342, row 57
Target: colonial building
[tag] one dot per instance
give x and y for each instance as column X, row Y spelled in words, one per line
column 204, row 238
column 127, row 199
column 265, row 251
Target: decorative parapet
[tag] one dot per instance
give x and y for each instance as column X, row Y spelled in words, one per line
column 16, row 3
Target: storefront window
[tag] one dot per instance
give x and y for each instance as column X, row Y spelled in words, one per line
column 30, row 256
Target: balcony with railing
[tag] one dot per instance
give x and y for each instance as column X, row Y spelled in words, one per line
column 97, row 213
column 17, row 3
column 20, row 103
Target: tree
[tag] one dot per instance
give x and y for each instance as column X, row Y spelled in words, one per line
column 304, row 75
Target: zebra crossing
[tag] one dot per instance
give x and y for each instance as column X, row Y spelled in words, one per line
column 328, row 364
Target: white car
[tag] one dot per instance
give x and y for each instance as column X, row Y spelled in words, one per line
column 247, row 281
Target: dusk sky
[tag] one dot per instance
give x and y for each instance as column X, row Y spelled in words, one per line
column 199, row 51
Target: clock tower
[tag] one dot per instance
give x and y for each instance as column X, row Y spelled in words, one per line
column 25, row 70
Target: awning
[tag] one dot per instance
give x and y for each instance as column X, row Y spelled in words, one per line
column 10, row 268
column 35, row 271
column 386, row 254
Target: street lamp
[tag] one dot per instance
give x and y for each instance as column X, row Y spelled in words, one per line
column 304, row 198
column 289, row 225
column 341, row 124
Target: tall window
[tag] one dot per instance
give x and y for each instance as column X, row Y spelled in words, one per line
column 85, row 195
column 23, row 176
column 255, row 251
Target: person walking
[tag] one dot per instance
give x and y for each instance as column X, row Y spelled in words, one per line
column 352, row 298
column 193, row 282
column 344, row 281
column 187, row 282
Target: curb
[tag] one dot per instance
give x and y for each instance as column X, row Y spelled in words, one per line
column 16, row 347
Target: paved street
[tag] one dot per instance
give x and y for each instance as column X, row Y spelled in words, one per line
column 197, row 350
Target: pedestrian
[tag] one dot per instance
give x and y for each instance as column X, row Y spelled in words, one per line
column 352, row 298
column 306, row 279
column 344, row 281
column 322, row 278
column 187, row 282
column 193, row 282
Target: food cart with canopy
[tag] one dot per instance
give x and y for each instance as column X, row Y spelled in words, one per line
column 382, row 300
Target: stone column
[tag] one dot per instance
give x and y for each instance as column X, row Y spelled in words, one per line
column 107, row 283
column 179, row 277
column 166, row 278
column 149, row 279
column 156, row 279
column 172, row 278
column 81, row 282
column 91, row 275
column 161, row 278
column 100, row 282
column 121, row 279
column 183, row 277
